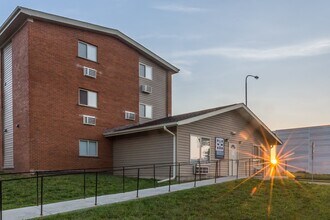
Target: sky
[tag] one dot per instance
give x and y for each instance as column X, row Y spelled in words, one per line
column 217, row 43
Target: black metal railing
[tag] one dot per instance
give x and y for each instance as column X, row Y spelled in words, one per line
column 172, row 173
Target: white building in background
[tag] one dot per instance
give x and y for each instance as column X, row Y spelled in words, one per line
column 300, row 141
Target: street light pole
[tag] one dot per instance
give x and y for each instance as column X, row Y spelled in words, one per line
column 246, row 78
column 313, row 150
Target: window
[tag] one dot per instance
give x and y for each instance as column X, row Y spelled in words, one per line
column 145, row 111
column 145, row 71
column 256, row 151
column 199, row 149
column 87, row 98
column 88, row 148
column 257, row 154
column 87, row 51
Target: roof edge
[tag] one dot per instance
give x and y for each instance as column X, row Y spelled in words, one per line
column 263, row 125
column 138, row 130
column 194, row 119
column 88, row 26
column 210, row 114
column 9, row 20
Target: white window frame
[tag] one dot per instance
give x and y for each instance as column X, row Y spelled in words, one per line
column 144, row 116
column 88, row 91
column 145, row 73
column 88, row 154
column 200, row 149
column 259, row 151
column 257, row 158
column 88, row 47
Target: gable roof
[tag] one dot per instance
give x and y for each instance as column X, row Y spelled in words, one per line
column 187, row 118
column 20, row 15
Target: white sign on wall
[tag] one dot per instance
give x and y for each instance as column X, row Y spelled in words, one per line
column 219, row 148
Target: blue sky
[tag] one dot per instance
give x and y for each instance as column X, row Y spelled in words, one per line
column 217, row 43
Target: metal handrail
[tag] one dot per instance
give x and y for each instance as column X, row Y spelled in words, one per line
column 123, row 169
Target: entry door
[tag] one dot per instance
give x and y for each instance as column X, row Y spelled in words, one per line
column 233, row 156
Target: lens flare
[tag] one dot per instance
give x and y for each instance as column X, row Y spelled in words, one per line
column 272, row 165
column 274, row 161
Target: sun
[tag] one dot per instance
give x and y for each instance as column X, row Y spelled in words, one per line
column 274, row 166
column 274, row 162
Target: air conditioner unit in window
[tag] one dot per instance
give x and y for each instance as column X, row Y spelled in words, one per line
column 146, row 89
column 201, row 169
column 129, row 115
column 89, row 120
column 90, row 72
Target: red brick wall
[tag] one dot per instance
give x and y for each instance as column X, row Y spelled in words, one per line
column 47, row 75
column 55, row 77
column 21, row 99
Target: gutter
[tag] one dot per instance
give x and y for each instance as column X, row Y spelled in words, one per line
column 174, row 155
column 135, row 130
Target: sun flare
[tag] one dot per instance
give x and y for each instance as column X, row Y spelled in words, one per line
column 273, row 165
column 274, row 161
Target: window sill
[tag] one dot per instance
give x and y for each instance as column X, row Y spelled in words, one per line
column 96, row 108
column 144, row 117
column 95, row 157
column 88, row 60
column 145, row 78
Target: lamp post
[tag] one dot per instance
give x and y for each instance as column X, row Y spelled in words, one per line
column 313, row 150
column 246, row 78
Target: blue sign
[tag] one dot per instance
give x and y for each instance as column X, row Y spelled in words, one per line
column 219, row 148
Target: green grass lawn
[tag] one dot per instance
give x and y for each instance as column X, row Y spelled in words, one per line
column 308, row 176
column 21, row 193
column 289, row 201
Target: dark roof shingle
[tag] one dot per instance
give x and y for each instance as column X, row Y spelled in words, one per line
column 167, row 120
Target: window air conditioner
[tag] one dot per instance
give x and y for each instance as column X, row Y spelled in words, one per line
column 90, row 72
column 89, row 120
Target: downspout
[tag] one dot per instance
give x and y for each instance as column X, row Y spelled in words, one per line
column 174, row 155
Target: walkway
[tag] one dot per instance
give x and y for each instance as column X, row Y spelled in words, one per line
column 72, row 205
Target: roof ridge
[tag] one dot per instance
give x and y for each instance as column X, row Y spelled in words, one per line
column 171, row 119
column 23, row 12
column 208, row 109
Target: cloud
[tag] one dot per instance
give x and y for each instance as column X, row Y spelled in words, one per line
column 178, row 8
column 185, row 67
column 172, row 36
column 313, row 48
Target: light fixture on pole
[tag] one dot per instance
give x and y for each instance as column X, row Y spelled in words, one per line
column 313, row 150
column 246, row 78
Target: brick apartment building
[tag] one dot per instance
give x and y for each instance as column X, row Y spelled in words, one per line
column 63, row 82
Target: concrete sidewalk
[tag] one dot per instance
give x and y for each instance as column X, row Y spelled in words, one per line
column 72, row 205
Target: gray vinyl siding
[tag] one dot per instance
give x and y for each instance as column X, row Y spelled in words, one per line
column 8, row 137
column 299, row 141
column 218, row 126
column 157, row 99
column 152, row 147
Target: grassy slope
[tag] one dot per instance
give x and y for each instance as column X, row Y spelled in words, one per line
column 290, row 201
column 22, row 193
